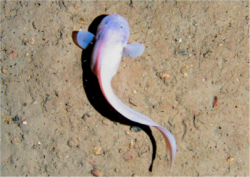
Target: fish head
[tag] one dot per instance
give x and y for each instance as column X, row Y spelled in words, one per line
column 115, row 28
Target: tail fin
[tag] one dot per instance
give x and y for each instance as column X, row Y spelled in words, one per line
column 138, row 117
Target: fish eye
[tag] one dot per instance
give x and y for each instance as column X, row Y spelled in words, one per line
column 121, row 26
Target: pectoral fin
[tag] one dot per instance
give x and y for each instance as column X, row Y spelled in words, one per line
column 84, row 38
column 133, row 50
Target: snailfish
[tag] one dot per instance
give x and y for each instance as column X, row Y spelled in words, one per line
column 110, row 43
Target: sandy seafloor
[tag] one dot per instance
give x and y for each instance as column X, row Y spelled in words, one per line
column 195, row 51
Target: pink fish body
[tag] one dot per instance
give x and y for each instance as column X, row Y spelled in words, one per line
column 111, row 42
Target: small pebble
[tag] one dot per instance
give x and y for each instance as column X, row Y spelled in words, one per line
column 97, row 150
column 4, row 70
column 229, row 159
column 120, row 151
column 181, row 52
column 135, row 128
column 16, row 119
column 131, row 144
column 32, row 41
column 129, row 155
column 185, row 74
column 96, row 173
column 13, row 54
column 25, row 122
column 72, row 142
column 165, row 75
column 215, row 103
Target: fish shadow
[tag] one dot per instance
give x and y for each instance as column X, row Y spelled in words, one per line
column 94, row 94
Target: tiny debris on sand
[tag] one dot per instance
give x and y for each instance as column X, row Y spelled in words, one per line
column 229, row 159
column 96, row 172
column 129, row 155
column 4, row 70
column 13, row 54
column 97, row 150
